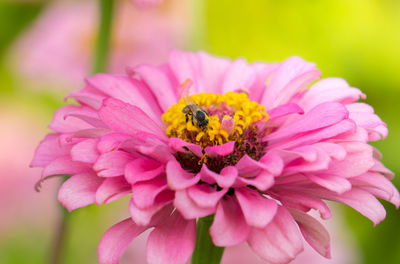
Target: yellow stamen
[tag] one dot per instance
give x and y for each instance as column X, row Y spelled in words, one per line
column 243, row 111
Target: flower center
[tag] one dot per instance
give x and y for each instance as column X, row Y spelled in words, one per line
column 208, row 119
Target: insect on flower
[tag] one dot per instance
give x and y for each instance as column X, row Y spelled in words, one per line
column 192, row 110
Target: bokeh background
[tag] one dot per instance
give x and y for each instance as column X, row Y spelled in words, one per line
column 46, row 50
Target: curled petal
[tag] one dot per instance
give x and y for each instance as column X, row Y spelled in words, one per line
column 115, row 241
column 85, row 151
column 178, row 178
column 143, row 216
column 224, row 179
column 126, row 118
column 112, row 164
column 48, row 150
column 144, row 193
column 205, row 195
column 314, row 232
column 229, row 227
column 323, row 115
column 257, row 209
column 79, row 190
column 64, row 166
column 188, row 208
column 172, row 241
column 112, row 189
column 180, row 145
column 142, row 170
column 280, row 241
column 220, row 150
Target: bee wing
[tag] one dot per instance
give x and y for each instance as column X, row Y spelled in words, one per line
column 184, row 91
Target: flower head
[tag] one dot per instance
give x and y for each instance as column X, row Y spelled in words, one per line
column 271, row 149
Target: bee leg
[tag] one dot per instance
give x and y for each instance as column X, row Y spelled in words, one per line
column 192, row 121
column 187, row 117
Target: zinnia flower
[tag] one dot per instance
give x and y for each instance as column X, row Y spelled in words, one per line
column 271, row 150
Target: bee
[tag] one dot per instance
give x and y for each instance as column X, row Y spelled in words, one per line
column 192, row 110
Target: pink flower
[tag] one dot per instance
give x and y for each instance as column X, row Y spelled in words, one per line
column 49, row 54
column 270, row 151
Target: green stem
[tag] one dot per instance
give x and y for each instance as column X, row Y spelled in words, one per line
column 104, row 34
column 59, row 240
column 205, row 252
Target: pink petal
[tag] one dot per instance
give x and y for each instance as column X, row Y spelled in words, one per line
column 88, row 96
column 239, row 75
column 284, row 110
column 88, row 115
column 262, row 181
column 263, row 72
column 220, row 150
column 128, row 119
column 112, row 189
column 85, row 151
column 248, row 167
column 158, row 81
column 172, row 241
column 71, row 124
column 188, row 208
column 204, row 70
column 91, row 133
column 127, row 90
column 48, row 150
column 144, row 193
column 142, row 170
column 111, row 164
column 304, row 202
column 272, row 163
column 205, row 196
column 322, row 162
column 323, row 115
column 64, row 166
column 257, row 209
column 280, row 241
column 360, row 200
column 331, row 182
column 148, row 146
column 116, row 239
column 144, row 216
column 328, row 90
column 335, row 151
column 178, row 178
column 314, row 232
column 359, row 159
column 315, row 136
column 378, row 185
column 180, row 145
column 79, row 190
column 290, row 76
column 229, row 227
column 224, row 179
column 111, row 142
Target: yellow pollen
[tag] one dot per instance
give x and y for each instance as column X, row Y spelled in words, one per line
column 236, row 105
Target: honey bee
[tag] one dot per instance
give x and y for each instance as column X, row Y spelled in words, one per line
column 198, row 116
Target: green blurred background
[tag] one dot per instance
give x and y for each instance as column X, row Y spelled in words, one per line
column 358, row 40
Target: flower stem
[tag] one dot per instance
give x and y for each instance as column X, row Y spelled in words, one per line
column 205, row 251
column 104, row 34
column 58, row 244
